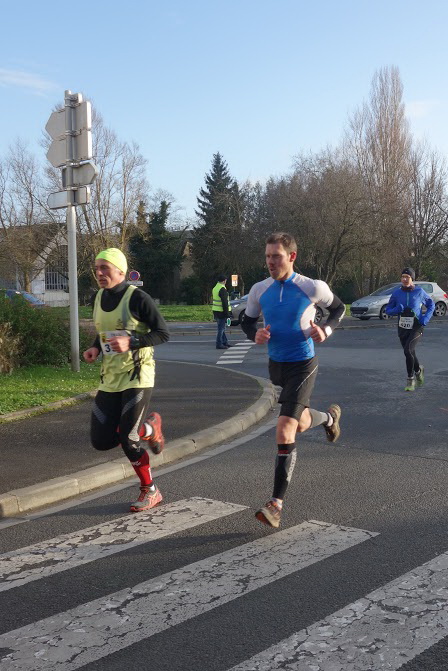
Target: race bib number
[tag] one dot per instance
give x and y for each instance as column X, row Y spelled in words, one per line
column 406, row 322
column 105, row 338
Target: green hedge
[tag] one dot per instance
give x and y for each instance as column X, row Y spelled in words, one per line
column 40, row 335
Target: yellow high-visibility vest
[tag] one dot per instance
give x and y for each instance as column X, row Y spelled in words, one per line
column 123, row 370
column 217, row 302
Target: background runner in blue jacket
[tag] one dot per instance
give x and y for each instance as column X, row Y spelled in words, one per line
column 287, row 301
column 406, row 302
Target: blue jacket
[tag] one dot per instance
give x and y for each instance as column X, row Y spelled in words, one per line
column 400, row 300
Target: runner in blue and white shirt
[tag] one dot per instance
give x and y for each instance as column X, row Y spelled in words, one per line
column 287, row 301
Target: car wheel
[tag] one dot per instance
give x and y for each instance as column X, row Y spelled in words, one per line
column 240, row 318
column 364, row 319
column 319, row 315
column 383, row 314
column 440, row 309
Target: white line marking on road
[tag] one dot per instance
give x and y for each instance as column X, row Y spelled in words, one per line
column 88, row 545
column 91, row 631
column 384, row 630
column 236, row 353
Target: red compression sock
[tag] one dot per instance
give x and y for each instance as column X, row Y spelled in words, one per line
column 143, row 470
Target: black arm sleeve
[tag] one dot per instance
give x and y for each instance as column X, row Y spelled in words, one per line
column 144, row 309
column 337, row 311
column 96, row 343
column 249, row 326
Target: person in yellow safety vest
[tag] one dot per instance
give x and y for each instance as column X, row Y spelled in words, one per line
column 221, row 311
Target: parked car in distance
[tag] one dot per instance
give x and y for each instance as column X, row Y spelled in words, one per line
column 33, row 301
column 239, row 308
column 374, row 305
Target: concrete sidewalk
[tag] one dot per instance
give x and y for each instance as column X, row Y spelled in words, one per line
column 47, row 458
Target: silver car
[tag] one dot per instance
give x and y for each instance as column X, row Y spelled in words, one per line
column 239, row 308
column 374, row 305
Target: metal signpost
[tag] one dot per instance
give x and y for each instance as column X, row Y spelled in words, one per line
column 71, row 150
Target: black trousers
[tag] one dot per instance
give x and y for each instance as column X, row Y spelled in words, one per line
column 409, row 339
column 117, row 418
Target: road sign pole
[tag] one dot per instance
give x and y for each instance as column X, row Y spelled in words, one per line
column 71, row 150
column 71, row 236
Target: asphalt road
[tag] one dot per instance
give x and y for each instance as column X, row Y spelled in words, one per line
column 356, row 578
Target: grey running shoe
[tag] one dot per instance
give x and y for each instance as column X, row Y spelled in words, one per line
column 420, row 376
column 269, row 514
column 334, row 431
column 147, row 499
column 410, row 384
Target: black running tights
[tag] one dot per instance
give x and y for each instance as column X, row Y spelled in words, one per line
column 409, row 341
column 117, row 418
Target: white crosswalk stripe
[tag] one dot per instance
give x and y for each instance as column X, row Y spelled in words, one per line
column 88, row 545
column 384, row 630
column 91, row 631
column 236, row 353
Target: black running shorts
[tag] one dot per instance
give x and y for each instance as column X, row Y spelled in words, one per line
column 297, row 381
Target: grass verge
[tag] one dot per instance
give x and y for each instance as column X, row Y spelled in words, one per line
column 172, row 313
column 38, row 385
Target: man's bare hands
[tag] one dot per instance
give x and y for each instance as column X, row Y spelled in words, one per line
column 91, row 354
column 316, row 333
column 120, row 343
column 262, row 335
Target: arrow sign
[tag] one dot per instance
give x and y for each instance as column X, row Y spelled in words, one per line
column 83, row 116
column 57, row 154
column 56, row 124
column 82, row 195
column 60, row 199
column 82, row 174
column 55, row 127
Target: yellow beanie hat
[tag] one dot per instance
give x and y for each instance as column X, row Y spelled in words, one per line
column 115, row 256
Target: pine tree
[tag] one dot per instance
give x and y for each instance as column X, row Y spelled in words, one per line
column 220, row 209
column 156, row 252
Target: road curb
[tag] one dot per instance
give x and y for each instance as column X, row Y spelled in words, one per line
column 19, row 501
column 48, row 407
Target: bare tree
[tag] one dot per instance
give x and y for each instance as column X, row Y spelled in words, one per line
column 26, row 223
column 428, row 216
column 378, row 141
column 332, row 213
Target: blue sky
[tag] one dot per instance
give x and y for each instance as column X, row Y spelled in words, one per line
column 257, row 80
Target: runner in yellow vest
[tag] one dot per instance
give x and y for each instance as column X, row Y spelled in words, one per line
column 221, row 311
column 128, row 326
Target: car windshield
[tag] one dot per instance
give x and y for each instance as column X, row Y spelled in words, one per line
column 385, row 291
column 30, row 298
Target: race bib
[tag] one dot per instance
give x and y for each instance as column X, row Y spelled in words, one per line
column 406, row 322
column 105, row 337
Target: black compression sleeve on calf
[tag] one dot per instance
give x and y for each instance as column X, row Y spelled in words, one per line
column 284, row 466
